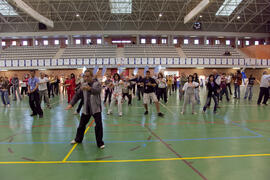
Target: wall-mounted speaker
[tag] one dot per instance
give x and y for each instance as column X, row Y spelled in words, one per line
column 42, row 26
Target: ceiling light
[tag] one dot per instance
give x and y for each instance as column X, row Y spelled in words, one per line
column 238, row 17
column 200, row 16
column 160, row 15
column 77, row 15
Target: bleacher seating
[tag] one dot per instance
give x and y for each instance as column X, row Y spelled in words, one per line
column 88, row 51
column 209, row 51
column 150, row 51
column 29, row 52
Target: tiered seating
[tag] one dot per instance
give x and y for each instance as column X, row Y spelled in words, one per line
column 87, row 51
column 29, row 52
column 209, row 51
column 150, row 51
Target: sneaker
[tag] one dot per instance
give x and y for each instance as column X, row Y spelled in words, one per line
column 109, row 112
column 182, row 112
column 194, row 113
column 160, row 114
column 75, row 113
column 265, row 104
column 102, row 147
column 146, row 112
column 73, row 142
column 120, row 114
column 8, row 105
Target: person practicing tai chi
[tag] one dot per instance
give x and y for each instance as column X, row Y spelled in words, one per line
column 90, row 92
column 117, row 94
column 189, row 89
column 149, row 85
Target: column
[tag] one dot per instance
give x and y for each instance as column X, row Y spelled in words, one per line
column 138, row 39
column 102, row 40
column 0, row 44
column 266, row 41
column 33, row 41
column 170, row 39
column 236, row 42
column 204, row 40
column 70, row 40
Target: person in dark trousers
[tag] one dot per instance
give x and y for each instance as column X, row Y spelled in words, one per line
column 138, row 80
column 108, row 89
column 90, row 91
column 34, row 99
column 264, row 89
column 223, row 87
column 213, row 90
column 127, row 91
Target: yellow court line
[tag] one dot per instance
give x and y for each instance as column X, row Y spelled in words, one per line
column 137, row 160
column 75, row 145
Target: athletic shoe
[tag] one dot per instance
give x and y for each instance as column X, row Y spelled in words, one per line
column 265, row 104
column 120, row 114
column 8, row 105
column 73, row 142
column 160, row 114
column 182, row 112
column 75, row 113
column 108, row 113
column 102, row 147
column 194, row 113
column 146, row 112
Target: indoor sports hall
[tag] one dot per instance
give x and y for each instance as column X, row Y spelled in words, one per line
column 134, row 89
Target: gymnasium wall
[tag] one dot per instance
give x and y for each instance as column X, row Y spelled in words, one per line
column 259, row 51
column 256, row 72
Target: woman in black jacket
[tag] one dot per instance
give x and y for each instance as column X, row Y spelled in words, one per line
column 213, row 90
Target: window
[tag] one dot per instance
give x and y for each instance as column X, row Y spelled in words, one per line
column 185, row 41
column 196, row 41
column 153, row 41
column 121, row 6
column 25, row 43
column 143, row 41
column 56, row 42
column 88, row 41
column 163, row 41
column 99, row 41
column 247, row 43
column 207, row 42
column 14, row 43
column 66, row 41
column 238, row 42
column 257, row 43
column 36, row 42
column 3, row 43
column 175, row 41
column 228, row 42
column 6, row 9
column 227, row 8
column 45, row 42
column 121, row 41
column 217, row 42
column 77, row 41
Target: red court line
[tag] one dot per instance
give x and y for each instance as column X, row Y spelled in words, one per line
column 177, row 154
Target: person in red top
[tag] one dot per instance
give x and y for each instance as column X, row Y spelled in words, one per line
column 70, row 83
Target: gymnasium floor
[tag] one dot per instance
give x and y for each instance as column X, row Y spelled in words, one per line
column 233, row 144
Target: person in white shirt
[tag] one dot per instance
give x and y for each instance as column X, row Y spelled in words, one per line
column 264, row 91
column 189, row 88
column 162, row 87
column 117, row 94
column 229, row 80
column 43, row 91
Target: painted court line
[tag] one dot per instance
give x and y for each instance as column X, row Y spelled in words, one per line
column 139, row 160
column 140, row 141
column 75, row 145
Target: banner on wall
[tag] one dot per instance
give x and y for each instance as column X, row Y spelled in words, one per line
column 96, row 69
column 135, row 70
column 104, row 69
column 146, row 68
column 157, row 69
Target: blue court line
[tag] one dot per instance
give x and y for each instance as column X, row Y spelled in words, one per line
column 141, row 141
column 245, row 128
